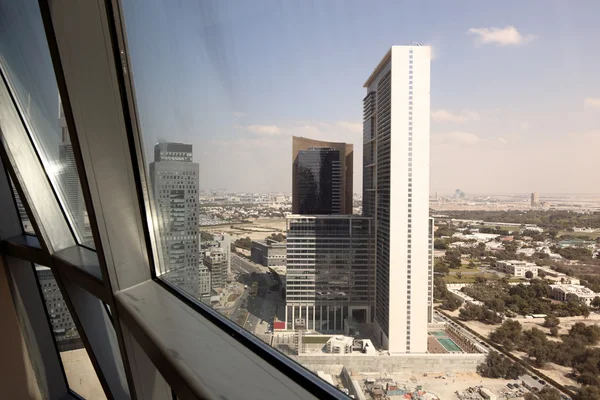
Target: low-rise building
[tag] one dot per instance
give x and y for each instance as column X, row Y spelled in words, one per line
column 268, row 252
column 516, row 267
column 566, row 292
column 556, row 276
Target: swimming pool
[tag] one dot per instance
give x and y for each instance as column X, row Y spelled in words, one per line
column 450, row 345
column 438, row 333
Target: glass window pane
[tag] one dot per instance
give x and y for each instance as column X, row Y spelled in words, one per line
column 27, row 226
column 25, row 61
column 187, row 159
column 81, row 376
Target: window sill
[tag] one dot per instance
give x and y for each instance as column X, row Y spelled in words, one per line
column 200, row 360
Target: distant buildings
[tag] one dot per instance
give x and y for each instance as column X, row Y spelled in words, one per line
column 174, row 179
column 216, row 263
column 396, row 115
column 330, row 271
column 268, row 252
column 321, row 177
column 459, row 194
column 566, row 292
column 535, row 199
column 516, row 268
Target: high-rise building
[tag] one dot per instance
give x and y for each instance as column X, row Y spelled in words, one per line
column 535, row 199
column 330, row 271
column 64, row 329
column 70, row 185
column 396, row 118
column 174, row 178
column 321, row 177
column 216, row 263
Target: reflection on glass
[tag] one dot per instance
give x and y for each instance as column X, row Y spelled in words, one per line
column 80, row 373
column 205, row 263
column 27, row 226
column 26, row 64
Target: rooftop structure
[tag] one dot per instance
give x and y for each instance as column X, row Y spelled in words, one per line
column 268, row 252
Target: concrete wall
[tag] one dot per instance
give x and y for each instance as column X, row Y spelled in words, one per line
column 413, row 363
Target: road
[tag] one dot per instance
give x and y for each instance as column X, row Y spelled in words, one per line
column 261, row 308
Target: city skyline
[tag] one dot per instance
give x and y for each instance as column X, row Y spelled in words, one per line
column 484, row 55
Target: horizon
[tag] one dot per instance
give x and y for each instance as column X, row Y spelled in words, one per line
column 513, row 89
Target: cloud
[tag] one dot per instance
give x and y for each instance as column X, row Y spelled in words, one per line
column 592, row 102
column 455, row 137
column 507, row 36
column 264, row 130
column 448, row 116
column 238, row 114
column 524, row 125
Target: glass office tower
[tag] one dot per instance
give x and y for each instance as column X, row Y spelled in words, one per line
column 175, row 184
column 321, row 177
column 330, row 271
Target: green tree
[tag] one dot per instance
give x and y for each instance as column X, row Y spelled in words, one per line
column 497, row 365
column 528, row 274
column 459, row 275
column 554, row 331
column 440, row 267
column 509, row 334
column 206, row 236
column 596, row 302
column 472, row 265
column 551, row 321
column 440, row 244
column 547, row 393
column 588, row 393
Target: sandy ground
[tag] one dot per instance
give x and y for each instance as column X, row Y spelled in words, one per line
column 81, row 376
column 444, row 386
column 257, row 230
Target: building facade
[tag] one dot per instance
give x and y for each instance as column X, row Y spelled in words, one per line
column 516, row 267
column 396, row 124
column 216, row 263
column 330, row 271
column 321, row 177
column 174, row 178
column 62, row 324
column 268, row 252
column 204, row 281
column 567, row 292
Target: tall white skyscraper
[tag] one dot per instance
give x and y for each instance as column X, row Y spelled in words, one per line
column 396, row 194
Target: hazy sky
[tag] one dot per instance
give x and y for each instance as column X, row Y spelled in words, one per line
column 514, row 90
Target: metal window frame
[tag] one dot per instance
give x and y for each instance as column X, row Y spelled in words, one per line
column 133, row 352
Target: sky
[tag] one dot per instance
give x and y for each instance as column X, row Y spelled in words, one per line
column 515, row 98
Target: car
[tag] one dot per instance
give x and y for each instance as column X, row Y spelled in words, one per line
column 535, row 378
column 542, row 382
column 516, row 385
column 509, row 385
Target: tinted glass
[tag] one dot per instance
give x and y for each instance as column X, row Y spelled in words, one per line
column 26, row 64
